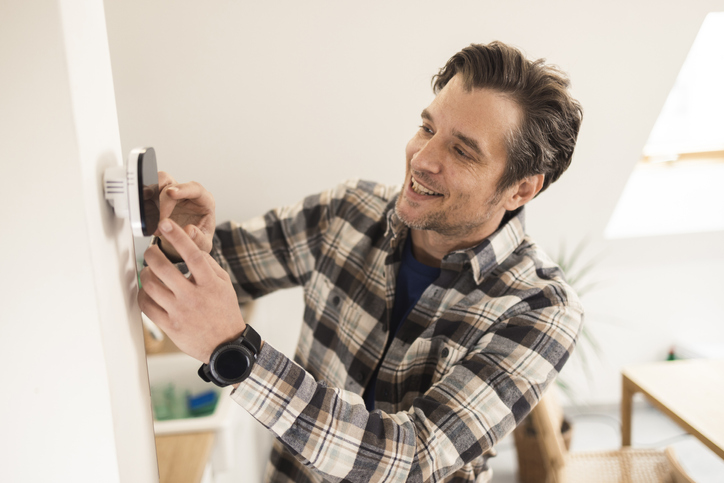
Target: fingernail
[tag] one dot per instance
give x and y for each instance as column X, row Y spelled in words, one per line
column 165, row 225
column 193, row 234
column 172, row 189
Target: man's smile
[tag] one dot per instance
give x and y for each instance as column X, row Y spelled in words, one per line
column 420, row 189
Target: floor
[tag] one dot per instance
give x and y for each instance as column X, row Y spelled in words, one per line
column 599, row 429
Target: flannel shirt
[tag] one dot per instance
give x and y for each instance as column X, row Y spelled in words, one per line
column 467, row 365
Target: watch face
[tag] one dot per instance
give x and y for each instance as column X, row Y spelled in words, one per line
column 232, row 363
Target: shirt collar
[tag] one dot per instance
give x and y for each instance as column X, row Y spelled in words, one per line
column 492, row 251
column 482, row 258
column 395, row 227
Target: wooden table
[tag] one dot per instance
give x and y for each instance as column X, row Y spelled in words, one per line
column 690, row 392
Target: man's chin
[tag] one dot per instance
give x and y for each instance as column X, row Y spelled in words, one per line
column 401, row 214
column 417, row 223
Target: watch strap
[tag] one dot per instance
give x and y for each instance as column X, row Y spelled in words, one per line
column 251, row 339
column 203, row 370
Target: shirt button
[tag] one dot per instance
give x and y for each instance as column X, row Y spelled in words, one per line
column 445, row 353
column 335, row 300
column 360, row 377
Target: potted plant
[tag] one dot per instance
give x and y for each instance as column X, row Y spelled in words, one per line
column 531, row 467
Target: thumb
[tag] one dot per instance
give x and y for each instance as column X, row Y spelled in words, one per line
column 167, row 202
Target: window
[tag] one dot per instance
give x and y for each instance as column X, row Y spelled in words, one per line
column 676, row 187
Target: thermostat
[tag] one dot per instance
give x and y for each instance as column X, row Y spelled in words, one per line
column 132, row 191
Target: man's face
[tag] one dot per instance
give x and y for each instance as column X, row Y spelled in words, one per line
column 454, row 163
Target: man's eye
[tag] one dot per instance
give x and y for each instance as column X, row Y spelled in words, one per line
column 426, row 129
column 460, row 152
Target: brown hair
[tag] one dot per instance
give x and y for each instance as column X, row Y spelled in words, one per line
column 545, row 140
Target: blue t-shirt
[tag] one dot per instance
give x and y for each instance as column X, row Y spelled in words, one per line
column 412, row 280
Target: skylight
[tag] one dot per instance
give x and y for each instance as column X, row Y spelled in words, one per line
column 676, row 186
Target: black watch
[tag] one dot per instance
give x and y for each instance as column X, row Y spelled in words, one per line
column 231, row 362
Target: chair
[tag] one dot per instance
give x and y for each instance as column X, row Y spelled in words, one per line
column 677, row 472
column 626, row 465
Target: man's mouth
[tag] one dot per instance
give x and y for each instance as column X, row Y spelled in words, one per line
column 421, row 190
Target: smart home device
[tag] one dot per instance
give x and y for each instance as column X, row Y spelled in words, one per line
column 132, row 191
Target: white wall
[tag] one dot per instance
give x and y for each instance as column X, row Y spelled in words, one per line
column 264, row 103
column 75, row 404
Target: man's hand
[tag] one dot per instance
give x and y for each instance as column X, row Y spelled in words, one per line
column 191, row 207
column 197, row 313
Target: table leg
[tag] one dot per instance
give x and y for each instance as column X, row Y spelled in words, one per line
column 627, row 393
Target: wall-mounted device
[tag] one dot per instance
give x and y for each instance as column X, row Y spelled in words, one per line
column 133, row 191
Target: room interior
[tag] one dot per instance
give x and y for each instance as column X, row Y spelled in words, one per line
column 264, row 103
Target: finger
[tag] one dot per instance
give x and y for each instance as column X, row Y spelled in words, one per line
column 197, row 235
column 165, row 271
column 191, row 231
column 165, row 179
column 166, row 201
column 218, row 270
column 153, row 311
column 155, row 289
column 195, row 259
column 193, row 191
column 207, row 226
column 172, row 194
column 150, row 191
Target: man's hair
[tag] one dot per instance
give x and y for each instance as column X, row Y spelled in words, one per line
column 551, row 118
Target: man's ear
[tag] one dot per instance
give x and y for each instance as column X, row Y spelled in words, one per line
column 523, row 191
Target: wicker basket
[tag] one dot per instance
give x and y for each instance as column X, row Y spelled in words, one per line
column 531, row 468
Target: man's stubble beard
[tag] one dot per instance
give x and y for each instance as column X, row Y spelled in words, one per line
column 438, row 221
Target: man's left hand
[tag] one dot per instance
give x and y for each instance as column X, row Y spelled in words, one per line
column 197, row 313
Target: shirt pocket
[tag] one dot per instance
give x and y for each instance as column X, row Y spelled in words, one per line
column 450, row 355
column 332, row 308
column 436, row 356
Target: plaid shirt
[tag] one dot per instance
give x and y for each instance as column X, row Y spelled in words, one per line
column 467, row 365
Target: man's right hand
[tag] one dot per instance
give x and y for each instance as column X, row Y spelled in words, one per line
column 191, row 207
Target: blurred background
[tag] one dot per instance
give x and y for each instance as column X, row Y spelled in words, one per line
column 265, row 103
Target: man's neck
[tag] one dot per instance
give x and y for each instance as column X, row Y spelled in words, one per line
column 430, row 247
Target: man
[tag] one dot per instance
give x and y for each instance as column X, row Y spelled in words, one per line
column 432, row 324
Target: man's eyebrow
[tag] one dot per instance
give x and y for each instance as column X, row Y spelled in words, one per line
column 425, row 114
column 469, row 142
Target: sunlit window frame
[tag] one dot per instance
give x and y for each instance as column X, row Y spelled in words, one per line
column 698, row 156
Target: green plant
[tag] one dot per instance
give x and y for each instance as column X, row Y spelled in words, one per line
column 576, row 272
column 531, row 465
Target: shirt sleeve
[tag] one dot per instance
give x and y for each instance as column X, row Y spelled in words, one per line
column 480, row 399
column 276, row 250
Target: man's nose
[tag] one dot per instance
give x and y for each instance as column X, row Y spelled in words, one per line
column 429, row 157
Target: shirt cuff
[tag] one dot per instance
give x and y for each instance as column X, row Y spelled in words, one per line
column 276, row 391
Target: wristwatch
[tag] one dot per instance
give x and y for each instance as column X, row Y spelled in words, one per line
column 231, row 362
